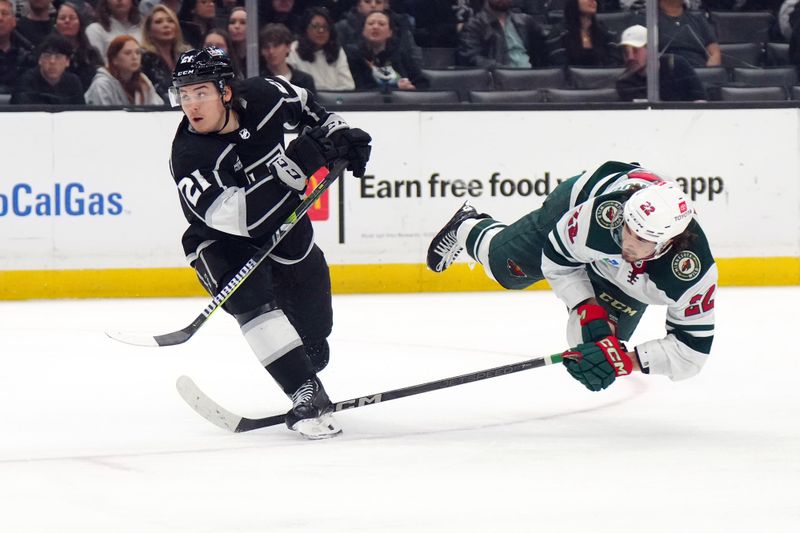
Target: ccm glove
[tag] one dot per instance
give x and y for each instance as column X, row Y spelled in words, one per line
column 597, row 364
column 595, row 323
column 353, row 145
column 302, row 157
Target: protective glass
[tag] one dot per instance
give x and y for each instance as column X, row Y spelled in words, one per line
column 179, row 96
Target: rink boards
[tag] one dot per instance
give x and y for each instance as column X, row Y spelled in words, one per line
column 88, row 207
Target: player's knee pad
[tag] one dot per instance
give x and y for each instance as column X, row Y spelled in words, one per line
column 269, row 333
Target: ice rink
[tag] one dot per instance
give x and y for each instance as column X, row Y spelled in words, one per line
column 96, row 439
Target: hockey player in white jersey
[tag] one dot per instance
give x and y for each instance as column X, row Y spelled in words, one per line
column 609, row 243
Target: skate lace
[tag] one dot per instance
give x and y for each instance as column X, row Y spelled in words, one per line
column 448, row 248
column 304, row 394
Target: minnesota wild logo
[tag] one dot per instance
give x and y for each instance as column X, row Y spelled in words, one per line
column 686, row 266
column 606, row 213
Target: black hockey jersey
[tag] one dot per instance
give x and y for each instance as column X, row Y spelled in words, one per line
column 224, row 183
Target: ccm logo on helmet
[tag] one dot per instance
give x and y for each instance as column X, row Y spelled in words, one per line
column 613, row 356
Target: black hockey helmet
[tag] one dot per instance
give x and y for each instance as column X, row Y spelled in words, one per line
column 210, row 64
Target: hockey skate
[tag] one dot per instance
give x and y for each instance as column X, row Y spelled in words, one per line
column 444, row 247
column 311, row 414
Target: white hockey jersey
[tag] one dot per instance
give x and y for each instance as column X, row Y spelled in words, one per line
column 683, row 280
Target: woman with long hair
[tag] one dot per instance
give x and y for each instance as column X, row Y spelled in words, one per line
column 70, row 24
column 586, row 42
column 196, row 18
column 162, row 44
column 114, row 18
column 237, row 30
column 317, row 52
column 121, row 81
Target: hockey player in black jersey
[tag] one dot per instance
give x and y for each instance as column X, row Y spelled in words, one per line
column 610, row 243
column 237, row 183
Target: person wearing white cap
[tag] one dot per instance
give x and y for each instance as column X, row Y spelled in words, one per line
column 677, row 79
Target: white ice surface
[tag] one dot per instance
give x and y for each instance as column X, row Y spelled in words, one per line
column 94, row 437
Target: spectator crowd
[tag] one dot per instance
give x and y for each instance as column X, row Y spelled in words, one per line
column 123, row 52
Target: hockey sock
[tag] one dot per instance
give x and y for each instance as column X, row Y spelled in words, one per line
column 477, row 235
column 291, row 370
column 279, row 349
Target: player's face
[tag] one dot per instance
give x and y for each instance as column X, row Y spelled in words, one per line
column 634, row 248
column 203, row 107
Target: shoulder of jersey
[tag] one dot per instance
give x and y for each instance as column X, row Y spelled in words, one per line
column 604, row 210
column 678, row 270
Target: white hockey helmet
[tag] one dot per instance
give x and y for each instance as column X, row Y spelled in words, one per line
column 658, row 213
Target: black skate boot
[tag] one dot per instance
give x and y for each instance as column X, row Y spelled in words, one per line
column 311, row 412
column 444, row 247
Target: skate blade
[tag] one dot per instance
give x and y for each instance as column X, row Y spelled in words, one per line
column 324, row 427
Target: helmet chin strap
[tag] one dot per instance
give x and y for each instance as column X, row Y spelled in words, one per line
column 226, row 105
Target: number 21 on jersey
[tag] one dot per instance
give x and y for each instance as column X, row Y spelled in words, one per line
column 193, row 186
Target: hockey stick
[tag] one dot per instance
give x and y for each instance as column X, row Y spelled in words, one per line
column 221, row 417
column 183, row 335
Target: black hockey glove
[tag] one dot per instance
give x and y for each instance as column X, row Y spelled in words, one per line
column 598, row 364
column 302, row 157
column 353, row 145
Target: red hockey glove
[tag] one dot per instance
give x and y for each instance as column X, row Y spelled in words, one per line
column 597, row 364
column 595, row 323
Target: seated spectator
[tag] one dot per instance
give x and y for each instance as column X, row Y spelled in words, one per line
column 349, row 29
column 196, row 19
column 114, row 18
column 687, row 34
column 585, row 41
column 497, row 37
column 438, row 22
column 162, row 44
column 677, row 80
column 146, row 6
column 318, row 53
column 85, row 58
column 274, row 41
column 15, row 50
column 237, row 31
column 121, row 82
column 286, row 12
column 38, row 22
column 50, row 83
column 379, row 62
column 220, row 38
